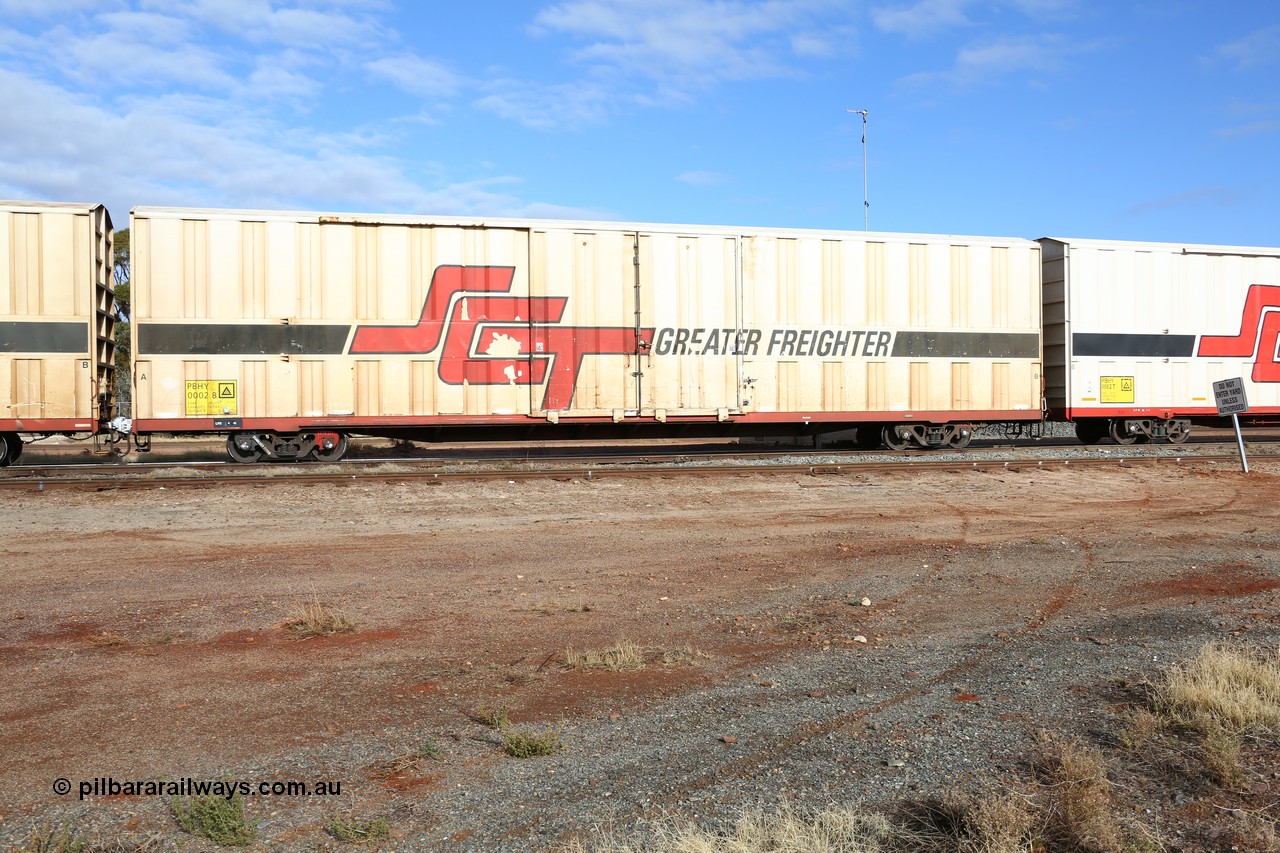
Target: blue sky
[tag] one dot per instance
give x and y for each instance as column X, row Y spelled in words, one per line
column 1146, row 120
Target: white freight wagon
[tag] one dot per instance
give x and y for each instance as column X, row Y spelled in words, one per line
column 289, row 331
column 57, row 343
column 1135, row 334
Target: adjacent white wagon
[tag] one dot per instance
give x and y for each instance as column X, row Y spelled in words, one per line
column 1135, row 334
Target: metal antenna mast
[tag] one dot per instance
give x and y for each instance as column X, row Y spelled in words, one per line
column 866, row 205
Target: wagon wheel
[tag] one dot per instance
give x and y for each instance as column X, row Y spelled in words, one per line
column 1179, row 431
column 1119, row 435
column 333, row 454
column 893, row 441
column 4, row 449
column 960, row 438
column 242, row 448
column 15, row 449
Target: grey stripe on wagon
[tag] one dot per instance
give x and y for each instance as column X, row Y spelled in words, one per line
column 19, row 336
column 965, row 345
column 1133, row 346
column 240, row 339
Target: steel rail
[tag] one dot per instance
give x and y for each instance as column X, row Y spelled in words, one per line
column 593, row 459
column 280, row 475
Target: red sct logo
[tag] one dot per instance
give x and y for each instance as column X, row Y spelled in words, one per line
column 1259, row 330
column 488, row 337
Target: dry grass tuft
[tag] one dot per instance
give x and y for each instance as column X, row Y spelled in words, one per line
column 961, row 823
column 1079, row 812
column 1219, row 752
column 47, row 839
column 495, row 718
column 314, row 619
column 531, row 744
column 628, row 656
column 1000, row 824
column 216, row 818
column 624, row 656
column 1225, row 688
column 1140, row 727
column 353, row 830
column 786, row 831
column 412, row 763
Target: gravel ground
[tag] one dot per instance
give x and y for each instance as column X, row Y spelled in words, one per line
column 143, row 639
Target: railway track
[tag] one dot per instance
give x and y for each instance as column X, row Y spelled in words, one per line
column 662, row 462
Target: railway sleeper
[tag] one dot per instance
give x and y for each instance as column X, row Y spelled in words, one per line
column 252, row 446
column 902, row 436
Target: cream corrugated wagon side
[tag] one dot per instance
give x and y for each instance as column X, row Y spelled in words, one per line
column 57, row 343
column 291, row 331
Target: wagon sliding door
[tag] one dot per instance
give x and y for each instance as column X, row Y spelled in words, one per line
column 584, row 348
column 634, row 325
column 691, row 314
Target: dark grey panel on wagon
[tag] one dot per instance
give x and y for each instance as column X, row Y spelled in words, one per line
column 44, row 337
column 965, row 345
column 252, row 339
column 1133, row 346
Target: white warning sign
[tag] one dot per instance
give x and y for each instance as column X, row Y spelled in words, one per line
column 212, row 398
column 1230, row 397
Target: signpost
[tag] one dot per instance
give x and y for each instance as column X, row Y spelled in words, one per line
column 1231, row 400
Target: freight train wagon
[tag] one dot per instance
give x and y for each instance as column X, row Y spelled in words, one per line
column 57, row 343
column 1135, row 334
column 290, row 331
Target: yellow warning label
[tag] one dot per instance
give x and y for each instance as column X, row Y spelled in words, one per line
column 212, row 398
column 1116, row 389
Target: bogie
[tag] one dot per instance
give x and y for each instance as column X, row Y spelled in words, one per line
column 253, row 446
column 1138, row 430
column 902, row 436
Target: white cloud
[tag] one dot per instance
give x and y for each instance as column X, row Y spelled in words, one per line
column 568, row 106
column 198, row 150
column 1257, row 48
column 1254, row 128
column 688, row 43
column 197, row 103
column 978, row 64
column 153, row 104
column 148, row 50
column 260, row 21
column 814, row 45
column 930, row 17
column 925, row 17
column 273, row 78
column 696, row 178
column 1047, row 8
column 416, row 75
column 54, row 8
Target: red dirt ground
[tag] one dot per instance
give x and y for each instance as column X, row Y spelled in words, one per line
column 142, row 633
